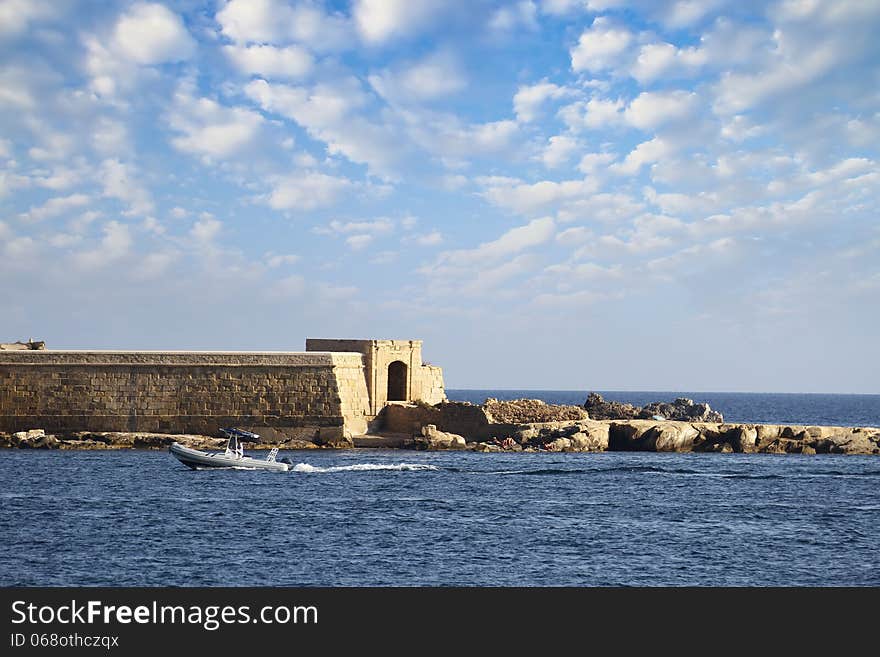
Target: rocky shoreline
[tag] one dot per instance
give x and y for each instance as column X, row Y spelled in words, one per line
column 584, row 435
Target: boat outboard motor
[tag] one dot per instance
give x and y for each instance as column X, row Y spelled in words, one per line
column 286, row 460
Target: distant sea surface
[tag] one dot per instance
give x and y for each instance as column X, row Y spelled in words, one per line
column 757, row 407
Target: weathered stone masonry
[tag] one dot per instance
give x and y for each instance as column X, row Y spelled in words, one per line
column 291, row 394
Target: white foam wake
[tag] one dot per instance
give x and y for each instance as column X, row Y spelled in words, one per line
column 362, row 467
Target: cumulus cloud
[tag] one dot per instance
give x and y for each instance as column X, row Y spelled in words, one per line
column 327, row 112
column 509, row 17
column 602, row 46
column 515, row 240
column 208, row 129
column 336, row 227
column 436, row 76
column 17, row 15
column 559, row 150
column 530, row 99
column 120, row 181
column 277, row 260
column 594, row 114
column 55, row 206
column 149, row 34
column 115, row 244
column 290, row 62
column 378, row 21
column 664, row 60
column 277, row 22
column 651, row 110
column 307, row 191
column 532, row 198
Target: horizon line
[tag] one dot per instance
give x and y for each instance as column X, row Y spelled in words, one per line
column 711, row 392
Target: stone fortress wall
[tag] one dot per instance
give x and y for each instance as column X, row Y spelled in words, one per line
column 329, row 391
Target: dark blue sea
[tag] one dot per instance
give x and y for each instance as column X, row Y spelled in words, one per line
column 762, row 408
column 383, row 517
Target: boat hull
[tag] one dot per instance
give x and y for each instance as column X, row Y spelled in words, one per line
column 199, row 460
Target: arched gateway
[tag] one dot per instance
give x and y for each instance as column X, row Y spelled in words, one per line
column 397, row 381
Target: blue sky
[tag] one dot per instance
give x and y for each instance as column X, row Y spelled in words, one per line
column 557, row 194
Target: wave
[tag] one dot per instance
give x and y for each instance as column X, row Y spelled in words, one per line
column 647, row 469
column 365, row 467
column 575, row 471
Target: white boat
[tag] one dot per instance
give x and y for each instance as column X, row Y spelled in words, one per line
column 232, row 457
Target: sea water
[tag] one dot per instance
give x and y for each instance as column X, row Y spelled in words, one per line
column 391, row 517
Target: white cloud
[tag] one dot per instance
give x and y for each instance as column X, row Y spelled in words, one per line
column 154, row 265
column 594, row 163
column 512, row 16
column 19, row 250
column 119, row 181
column 336, row 227
column 562, row 7
column 515, row 240
column 289, row 286
column 115, row 244
column 383, row 258
column 531, row 198
column 17, row 15
column 604, row 45
column 273, row 261
column 326, row 111
column 209, row 129
column 685, row 13
column 110, row 137
column 664, row 60
column 435, row 76
column 248, row 21
column 291, row 62
column 378, row 21
column 307, row 191
column 149, row 34
column 358, row 242
column 645, row 153
column 205, row 229
column 277, row 22
column 594, row 114
column 651, row 110
column 432, row 238
column 54, row 207
column 574, row 235
column 449, row 139
column 21, row 87
column 585, row 271
column 529, row 99
column 559, row 150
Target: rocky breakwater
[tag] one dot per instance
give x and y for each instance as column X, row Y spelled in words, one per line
column 680, row 409
column 532, row 425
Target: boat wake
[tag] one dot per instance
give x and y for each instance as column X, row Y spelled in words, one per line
column 364, row 467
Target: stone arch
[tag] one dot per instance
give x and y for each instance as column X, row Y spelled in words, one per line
column 397, row 381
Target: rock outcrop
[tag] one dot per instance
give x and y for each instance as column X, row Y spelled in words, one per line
column 432, row 438
column 682, row 409
column 519, row 411
column 33, row 345
column 599, row 409
column 668, row 436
